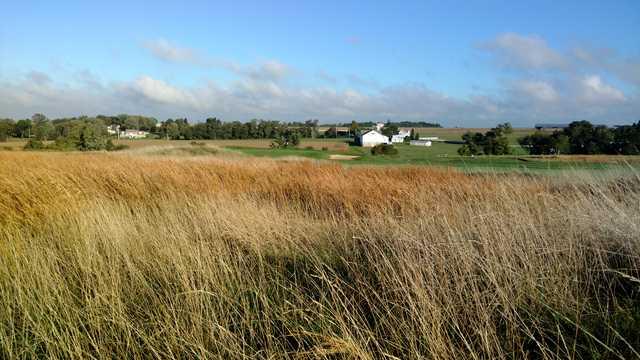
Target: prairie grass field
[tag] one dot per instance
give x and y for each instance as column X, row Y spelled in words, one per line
column 128, row 255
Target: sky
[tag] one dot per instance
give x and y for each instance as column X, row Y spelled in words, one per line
column 471, row 63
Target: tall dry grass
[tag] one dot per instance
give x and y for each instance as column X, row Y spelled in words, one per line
column 117, row 256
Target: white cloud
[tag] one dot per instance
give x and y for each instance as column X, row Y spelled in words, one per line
column 607, row 60
column 524, row 52
column 538, row 90
column 271, row 70
column 164, row 50
column 161, row 92
column 549, row 86
column 523, row 103
column 595, row 90
column 169, row 52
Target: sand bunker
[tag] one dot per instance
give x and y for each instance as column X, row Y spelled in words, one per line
column 342, row 157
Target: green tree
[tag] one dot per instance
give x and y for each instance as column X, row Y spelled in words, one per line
column 286, row 139
column 540, row 143
column 91, row 135
column 23, row 128
column 384, row 149
column 41, row 128
column 354, row 128
column 7, row 128
column 493, row 142
column 389, row 129
column 627, row 139
column 472, row 144
column 311, row 127
column 584, row 138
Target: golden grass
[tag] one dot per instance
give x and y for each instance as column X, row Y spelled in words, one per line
column 603, row 159
column 125, row 256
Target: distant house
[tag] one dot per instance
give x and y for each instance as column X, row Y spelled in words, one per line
column 372, row 138
column 399, row 138
column 430, row 138
column 420, row 142
column 551, row 126
column 379, row 126
column 134, row 134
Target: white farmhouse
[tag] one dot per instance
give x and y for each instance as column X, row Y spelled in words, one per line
column 372, row 138
column 399, row 138
column 420, row 142
column 133, row 134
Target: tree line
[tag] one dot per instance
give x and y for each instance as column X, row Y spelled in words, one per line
column 67, row 130
column 403, row 124
column 81, row 133
column 213, row 128
column 579, row 137
column 182, row 129
column 582, row 137
column 42, row 128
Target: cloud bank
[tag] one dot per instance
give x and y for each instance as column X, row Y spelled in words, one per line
column 543, row 84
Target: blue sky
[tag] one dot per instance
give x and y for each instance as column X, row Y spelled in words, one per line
column 472, row 63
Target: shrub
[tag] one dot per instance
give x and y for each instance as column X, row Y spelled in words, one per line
column 287, row 139
column 34, row 144
column 384, row 149
column 493, row 142
column 324, row 148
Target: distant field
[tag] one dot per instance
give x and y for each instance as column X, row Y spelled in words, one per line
column 439, row 154
column 332, row 144
column 456, row 133
column 445, row 155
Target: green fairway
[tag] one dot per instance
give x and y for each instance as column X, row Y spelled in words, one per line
column 439, row 154
column 279, row 153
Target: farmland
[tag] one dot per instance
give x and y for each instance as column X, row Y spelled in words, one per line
column 440, row 154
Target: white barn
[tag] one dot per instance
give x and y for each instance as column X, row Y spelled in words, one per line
column 399, row 138
column 372, row 138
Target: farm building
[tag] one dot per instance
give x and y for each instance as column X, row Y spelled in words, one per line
column 420, row 142
column 399, row 138
column 430, row 138
column 133, row 134
column 551, row 126
column 379, row 126
column 372, row 138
